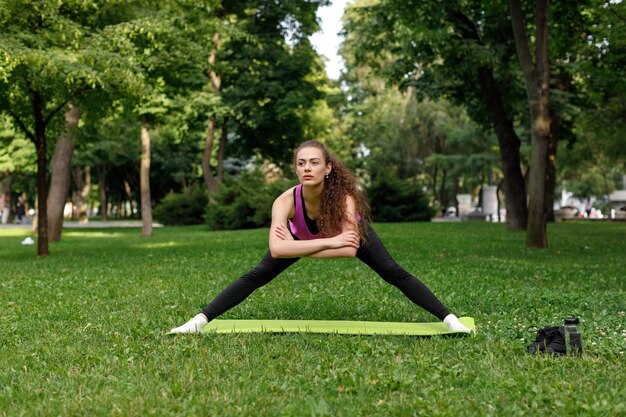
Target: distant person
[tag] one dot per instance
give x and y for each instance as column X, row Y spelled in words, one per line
column 20, row 209
column 325, row 216
column 5, row 208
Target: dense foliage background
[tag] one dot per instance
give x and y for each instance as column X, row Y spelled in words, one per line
column 188, row 94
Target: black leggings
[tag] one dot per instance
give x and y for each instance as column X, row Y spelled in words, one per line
column 373, row 253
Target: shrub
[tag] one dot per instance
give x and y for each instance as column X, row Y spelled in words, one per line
column 395, row 200
column 245, row 203
column 183, row 208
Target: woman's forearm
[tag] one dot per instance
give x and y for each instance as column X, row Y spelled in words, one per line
column 298, row 248
column 345, row 252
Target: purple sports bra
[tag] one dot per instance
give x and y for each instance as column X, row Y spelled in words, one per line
column 297, row 224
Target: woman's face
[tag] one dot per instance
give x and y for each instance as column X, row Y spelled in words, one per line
column 311, row 166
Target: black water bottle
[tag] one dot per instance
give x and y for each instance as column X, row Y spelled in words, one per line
column 573, row 341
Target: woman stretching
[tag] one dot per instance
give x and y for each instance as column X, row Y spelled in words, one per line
column 325, row 216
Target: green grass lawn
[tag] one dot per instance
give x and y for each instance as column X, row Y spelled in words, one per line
column 82, row 332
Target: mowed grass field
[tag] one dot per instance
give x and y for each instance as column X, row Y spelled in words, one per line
column 83, row 331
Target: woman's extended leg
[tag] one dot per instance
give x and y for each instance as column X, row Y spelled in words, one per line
column 238, row 291
column 374, row 254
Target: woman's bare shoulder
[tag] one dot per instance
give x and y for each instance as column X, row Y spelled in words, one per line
column 286, row 198
column 283, row 207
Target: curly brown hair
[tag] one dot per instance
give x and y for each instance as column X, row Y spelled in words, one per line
column 340, row 183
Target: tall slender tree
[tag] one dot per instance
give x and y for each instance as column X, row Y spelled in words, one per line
column 458, row 50
column 60, row 174
column 537, row 80
column 53, row 53
column 468, row 51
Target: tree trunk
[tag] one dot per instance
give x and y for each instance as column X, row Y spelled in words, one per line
column 508, row 142
column 216, row 82
column 104, row 204
column 435, row 173
column 60, row 174
column 538, row 92
column 5, row 198
column 82, row 179
column 443, row 198
column 221, row 151
column 555, row 128
column 77, row 174
column 537, row 233
column 457, row 190
column 498, row 188
column 35, row 226
column 213, row 181
column 40, row 142
column 146, row 202
column 129, row 194
column 209, row 179
column 509, row 145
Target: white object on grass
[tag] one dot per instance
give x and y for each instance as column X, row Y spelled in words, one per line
column 195, row 325
column 454, row 325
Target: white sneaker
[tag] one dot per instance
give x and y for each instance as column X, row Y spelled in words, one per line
column 454, row 325
column 195, row 325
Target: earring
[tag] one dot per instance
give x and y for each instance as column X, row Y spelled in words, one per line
column 326, row 176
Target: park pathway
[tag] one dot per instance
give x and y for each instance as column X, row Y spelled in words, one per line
column 95, row 224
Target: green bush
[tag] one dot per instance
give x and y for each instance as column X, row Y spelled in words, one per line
column 183, row 208
column 395, row 200
column 245, row 203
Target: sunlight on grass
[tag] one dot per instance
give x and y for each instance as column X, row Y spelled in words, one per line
column 159, row 245
column 14, row 232
column 96, row 234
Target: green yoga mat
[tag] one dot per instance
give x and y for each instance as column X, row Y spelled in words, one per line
column 333, row 326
